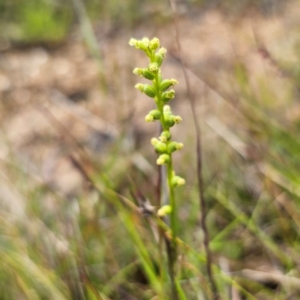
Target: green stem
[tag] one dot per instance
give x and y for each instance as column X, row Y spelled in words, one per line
column 159, row 104
column 171, row 245
column 172, row 198
column 160, row 107
column 172, row 251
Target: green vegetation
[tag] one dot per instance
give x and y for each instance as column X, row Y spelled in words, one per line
column 35, row 21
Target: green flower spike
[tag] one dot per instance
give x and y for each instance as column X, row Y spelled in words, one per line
column 161, row 94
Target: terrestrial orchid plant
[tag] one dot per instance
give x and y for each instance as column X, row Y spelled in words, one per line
column 159, row 90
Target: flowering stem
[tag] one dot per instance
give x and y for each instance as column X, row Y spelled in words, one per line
column 164, row 145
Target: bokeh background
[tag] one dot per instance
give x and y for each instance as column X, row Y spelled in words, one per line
column 76, row 160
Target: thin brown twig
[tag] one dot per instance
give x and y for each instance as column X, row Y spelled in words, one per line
column 199, row 161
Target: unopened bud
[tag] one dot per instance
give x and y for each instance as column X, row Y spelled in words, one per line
column 147, row 74
column 169, row 120
column 167, row 83
column 162, row 51
column 138, row 71
column 161, row 147
column 154, row 141
column 174, row 146
column 149, row 118
column 158, row 58
column 164, row 210
column 149, row 90
column 167, row 108
column 177, row 119
column 142, row 44
column 168, row 96
column 133, row 43
column 140, row 87
column 154, row 44
column 165, row 136
column 177, row 181
column 153, row 68
column 163, row 159
column 153, row 115
column 179, row 146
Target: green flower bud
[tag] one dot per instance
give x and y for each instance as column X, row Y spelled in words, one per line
column 167, row 108
column 177, row 181
column 154, row 141
column 168, row 114
column 169, row 121
column 160, row 147
column 147, row 74
column 158, row 58
column 174, row 146
column 167, row 83
column 149, row 118
column 154, row 43
column 138, row 71
column 164, row 210
column 162, row 51
column 153, row 68
column 145, row 42
column 165, row 136
column 133, row 43
column 142, row 44
column 153, row 116
column 179, row 146
column 140, row 87
column 143, row 73
column 168, row 96
column 163, row 159
column 155, row 113
column 177, row 119
column 149, row 90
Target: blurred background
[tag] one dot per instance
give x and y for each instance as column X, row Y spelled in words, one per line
column 73, row 139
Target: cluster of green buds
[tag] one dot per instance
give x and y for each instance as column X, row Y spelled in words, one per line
column 161, row 91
